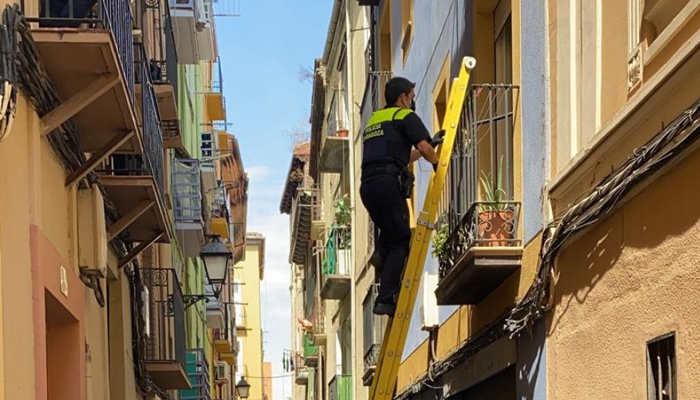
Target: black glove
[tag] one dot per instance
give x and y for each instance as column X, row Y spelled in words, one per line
column 435, row 167
column 438, row 138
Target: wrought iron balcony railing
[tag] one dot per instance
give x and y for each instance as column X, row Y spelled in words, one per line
column 166, row 316
column 154, row 20
column 319, row 319
column 150, row 121
column 486, row 224
column 478, row 204
column 111, row 15
column 372, row 356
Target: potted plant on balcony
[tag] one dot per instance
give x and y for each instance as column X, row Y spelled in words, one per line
column 440, row 239
column 495, row 216
column 343, row 133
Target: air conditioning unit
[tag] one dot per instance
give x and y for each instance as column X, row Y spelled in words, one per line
column 428, row 309
column 92, row 231
column 222, row 371
column 146, row 311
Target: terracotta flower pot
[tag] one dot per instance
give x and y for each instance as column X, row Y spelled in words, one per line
column 343, row 133
column 496, row 227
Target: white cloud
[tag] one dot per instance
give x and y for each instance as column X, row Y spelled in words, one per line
column 258, row 172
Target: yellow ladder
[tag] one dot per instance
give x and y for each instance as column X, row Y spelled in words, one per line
column 384, row 380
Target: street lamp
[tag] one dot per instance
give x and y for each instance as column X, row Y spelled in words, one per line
column 216, row 257
column 242, row 388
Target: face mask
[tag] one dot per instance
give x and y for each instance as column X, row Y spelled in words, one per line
column 413, row 105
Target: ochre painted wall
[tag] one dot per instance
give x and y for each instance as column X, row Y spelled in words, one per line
column 628, row 280
column 250, row 271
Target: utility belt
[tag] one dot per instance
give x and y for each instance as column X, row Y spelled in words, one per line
column 404, row 175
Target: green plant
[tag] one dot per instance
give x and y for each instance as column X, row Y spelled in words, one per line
column 342, row 208
column 496, row 196
column 440, row 238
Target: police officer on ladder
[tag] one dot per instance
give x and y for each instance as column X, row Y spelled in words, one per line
column 394, row 138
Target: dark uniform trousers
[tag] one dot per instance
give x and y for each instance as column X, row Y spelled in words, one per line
column 388, row 209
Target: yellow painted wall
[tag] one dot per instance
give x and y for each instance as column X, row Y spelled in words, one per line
column 249, row 270
column 18, row 162
column 32, row 191
column 630, row 279
column 633, row 276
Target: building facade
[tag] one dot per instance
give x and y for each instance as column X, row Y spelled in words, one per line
column 623, row 118
column 109, row 185
column 562, row 262
column 248, row 274
column 457, row 346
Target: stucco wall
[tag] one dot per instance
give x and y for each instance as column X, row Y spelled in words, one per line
column 17, row 160
column 535, row 115
column 628, row 280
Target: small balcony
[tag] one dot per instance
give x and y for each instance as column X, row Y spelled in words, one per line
column 370, row 363
column 198, row 373
column 165, row 328
column 310, row 351
column 335, row 150
column 135, row 183
column 303, row 376
column 303, row 208
column 192, row 24
column 187, row 198
column 88, row 53
column 215, row 311
column 155, row 31
column 215, row 103
column 340, row 388
column 223, row 337
column 336, row 259
column 218, row 214
column 483, row 247
column 373, row 328
column 209, row 149
column 241, row 317
column 319, row 321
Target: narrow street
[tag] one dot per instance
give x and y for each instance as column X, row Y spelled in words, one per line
column 349, row 200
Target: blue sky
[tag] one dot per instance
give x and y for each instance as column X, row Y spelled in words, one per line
column 261, row 54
